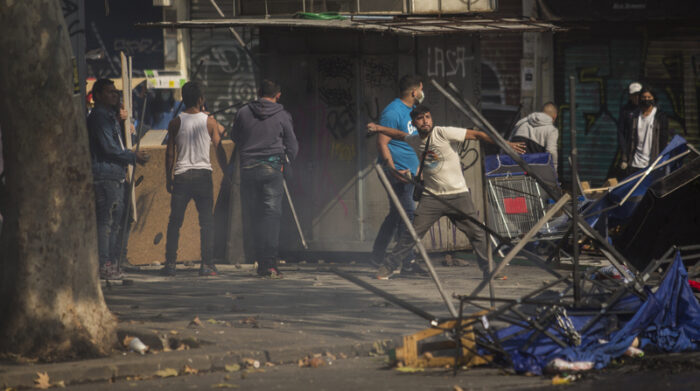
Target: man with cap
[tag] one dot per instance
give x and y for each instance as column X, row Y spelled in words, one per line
column 627, row 112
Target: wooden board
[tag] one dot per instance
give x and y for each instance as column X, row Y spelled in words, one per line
column 147, row 238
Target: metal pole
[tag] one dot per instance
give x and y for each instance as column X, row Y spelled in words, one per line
column 489, row 250
column 401, row 303
column 294, row 214
column 524, row 241
column 416, row 239
column 574, row 189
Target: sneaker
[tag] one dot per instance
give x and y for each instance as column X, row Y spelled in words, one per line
column 108, row 271
column 168, row 270
column 208, row 270
column 414, row 268
column 384, row 273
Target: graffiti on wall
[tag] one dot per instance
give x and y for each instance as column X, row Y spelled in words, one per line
column 603, row 72
column 227, row 77
column 448, row 62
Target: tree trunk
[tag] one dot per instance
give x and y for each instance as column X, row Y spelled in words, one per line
column 51, row 303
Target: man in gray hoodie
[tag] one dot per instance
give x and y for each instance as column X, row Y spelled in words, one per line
column 265, row 140
column 538, row 132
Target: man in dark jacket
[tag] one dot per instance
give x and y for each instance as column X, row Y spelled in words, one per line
column 629, row 110
column 265, row 140
column 110, row 160
column 648, row 134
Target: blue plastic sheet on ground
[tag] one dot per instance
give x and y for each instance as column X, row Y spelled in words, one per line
column 668, row 321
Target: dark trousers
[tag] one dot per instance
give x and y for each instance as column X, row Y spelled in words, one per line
column 109, row 208
column 262, row 190
column 428, row 212
column 197, row 185
column 393, row 223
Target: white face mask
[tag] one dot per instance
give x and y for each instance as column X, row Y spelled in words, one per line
column 421, row 98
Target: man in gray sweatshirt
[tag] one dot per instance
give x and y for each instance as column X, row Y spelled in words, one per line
column 265, row 140
column 538, row 132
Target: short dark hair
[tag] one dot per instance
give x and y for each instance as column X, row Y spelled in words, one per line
column 418, row 110
column 647, row 89
column 191, row 92
column 100, row 86
column 269, row 88
column 408, row 82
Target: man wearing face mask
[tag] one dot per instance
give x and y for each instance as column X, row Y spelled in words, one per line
column 398, row 155
column 627, row 112
column 648, row 134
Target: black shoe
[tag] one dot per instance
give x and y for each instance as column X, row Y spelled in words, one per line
column 168, row 270
column 414, row 268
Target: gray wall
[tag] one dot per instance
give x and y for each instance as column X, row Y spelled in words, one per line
column 334, row 83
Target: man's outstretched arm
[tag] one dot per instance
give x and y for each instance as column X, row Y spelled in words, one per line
column 393, row 133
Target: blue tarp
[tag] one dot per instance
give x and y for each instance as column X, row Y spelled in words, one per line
column 620, row 214
column 668, row 321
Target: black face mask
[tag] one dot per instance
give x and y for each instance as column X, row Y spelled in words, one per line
column 646, row 103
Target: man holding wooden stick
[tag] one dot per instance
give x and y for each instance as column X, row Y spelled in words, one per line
column 110, row 160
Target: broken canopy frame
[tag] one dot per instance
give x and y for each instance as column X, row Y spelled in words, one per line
column 614, row 257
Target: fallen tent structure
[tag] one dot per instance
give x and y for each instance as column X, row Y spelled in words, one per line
column 579, row 320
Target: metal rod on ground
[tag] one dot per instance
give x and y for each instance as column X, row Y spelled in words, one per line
column 614, row 256
column 574, row 189
column 401, row 303
column 416, row 239
column 516, row 249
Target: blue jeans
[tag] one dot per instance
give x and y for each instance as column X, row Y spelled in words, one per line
column 109, row 208
column 197, row 185
column 393, row 224
column 261, row 201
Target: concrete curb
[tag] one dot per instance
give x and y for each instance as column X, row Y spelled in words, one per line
column 208, row 359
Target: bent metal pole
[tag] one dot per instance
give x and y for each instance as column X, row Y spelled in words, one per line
column 416, row 239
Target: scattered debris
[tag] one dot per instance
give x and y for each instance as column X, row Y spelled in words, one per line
column 195, row 322
column 251, row 320
column 224, row 385
column 564, row 379
column 135, row 344
column 167, row 372
column 449, row 260
column 409, row 369
column 232, row 367
column 188, row 370
column 251, row 363
column 312, row 361
column 42, row 381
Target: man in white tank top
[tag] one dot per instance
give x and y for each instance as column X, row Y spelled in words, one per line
column 188, row 175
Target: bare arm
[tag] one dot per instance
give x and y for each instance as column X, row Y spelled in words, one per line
column 171, row 153
column 215, row 131
column 473, row 134
column 389, row 132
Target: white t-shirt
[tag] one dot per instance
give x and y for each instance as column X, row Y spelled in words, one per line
column 442, row 171
column 645, row 128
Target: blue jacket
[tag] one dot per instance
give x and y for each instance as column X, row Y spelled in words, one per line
column 109, row 159
column 264, row 129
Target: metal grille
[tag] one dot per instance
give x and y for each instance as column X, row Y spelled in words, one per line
column 516, row 203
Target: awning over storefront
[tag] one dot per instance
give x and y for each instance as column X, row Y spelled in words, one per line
column 391, row 24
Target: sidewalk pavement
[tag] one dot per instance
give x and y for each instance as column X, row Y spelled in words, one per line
column 242, row 316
